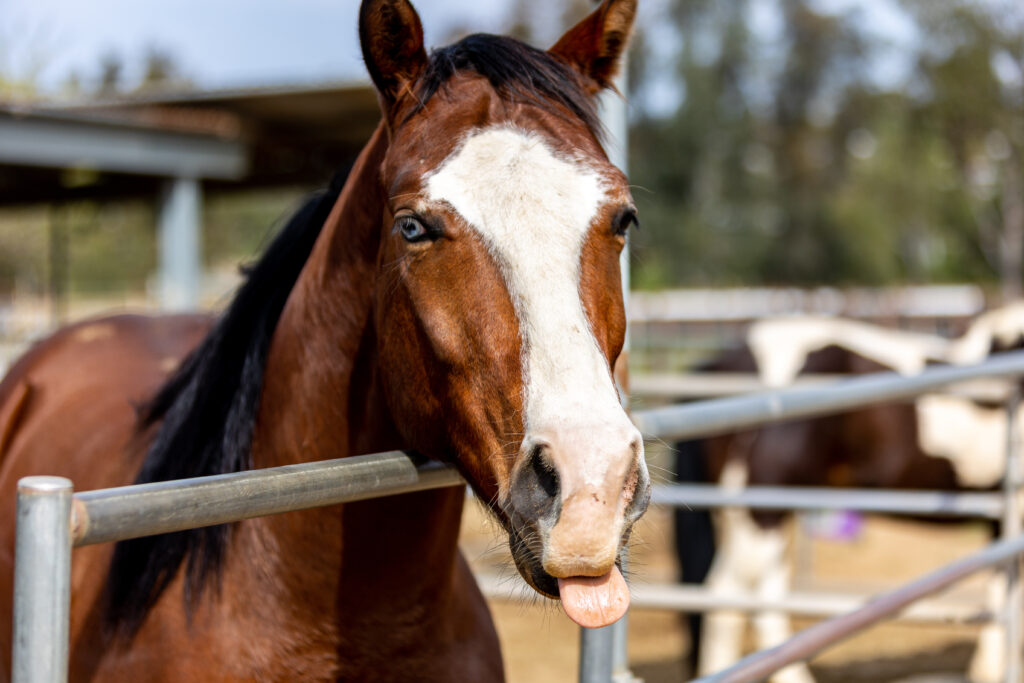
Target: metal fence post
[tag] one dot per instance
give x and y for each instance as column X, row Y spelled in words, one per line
column 603, row 652
column 620, row 659
column 597, row 647
column 1013, row 612
column 42, row 581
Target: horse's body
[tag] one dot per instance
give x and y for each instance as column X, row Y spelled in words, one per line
column 412, row 318
column 325, row 616
column 940, row 442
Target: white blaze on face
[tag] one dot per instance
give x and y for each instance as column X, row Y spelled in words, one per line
column 533, row 210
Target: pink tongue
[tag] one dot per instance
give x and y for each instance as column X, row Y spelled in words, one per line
column 595, row 601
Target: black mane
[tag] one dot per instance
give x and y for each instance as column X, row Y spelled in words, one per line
column 205, row 413
column 516, row 71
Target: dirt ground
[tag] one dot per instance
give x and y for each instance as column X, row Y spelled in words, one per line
column 540, row 643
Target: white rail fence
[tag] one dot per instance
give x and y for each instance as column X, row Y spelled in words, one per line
column 52, row 519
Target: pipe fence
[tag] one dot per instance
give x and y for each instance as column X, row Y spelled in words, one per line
column 719, row 416
column 812, row 640
column 51, row 519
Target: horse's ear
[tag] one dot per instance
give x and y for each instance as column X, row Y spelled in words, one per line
column 595, row 45
column 392, row 40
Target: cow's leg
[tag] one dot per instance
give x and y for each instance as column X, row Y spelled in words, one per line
column 722, row 638
column 721, row 643
column 751, row 560
column 775, row 574
column 989, row 660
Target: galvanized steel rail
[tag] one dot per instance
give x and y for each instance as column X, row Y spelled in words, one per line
column 881, row 501
column 726, row 415
column 691, row 598
column 126, row 512
column 810, row 641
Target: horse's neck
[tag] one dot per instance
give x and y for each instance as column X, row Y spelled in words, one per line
column 320, row 397
column 322, row 400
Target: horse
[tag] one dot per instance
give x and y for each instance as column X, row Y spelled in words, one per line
column 941, row 441
column 457, row 296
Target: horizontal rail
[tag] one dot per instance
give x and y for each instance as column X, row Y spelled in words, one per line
column 709, row 384
column 724, row 415
column 684, row 598
column 716, row 306
column 146, row 509
column 694, row 385
column 937, row 503
column 812, row 640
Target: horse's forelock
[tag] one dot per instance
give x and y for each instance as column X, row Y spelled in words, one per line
column 516, row 71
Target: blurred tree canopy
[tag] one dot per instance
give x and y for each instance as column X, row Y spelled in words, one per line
column 773, row 142
column 790, row 158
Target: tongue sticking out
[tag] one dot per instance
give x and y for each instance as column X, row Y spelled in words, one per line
column 595, row 601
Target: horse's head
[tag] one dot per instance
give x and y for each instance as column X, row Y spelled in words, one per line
column 499, row 306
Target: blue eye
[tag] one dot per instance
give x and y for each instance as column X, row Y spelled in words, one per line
column 412, row 229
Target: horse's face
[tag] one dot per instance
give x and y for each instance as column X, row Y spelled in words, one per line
column 499, row 305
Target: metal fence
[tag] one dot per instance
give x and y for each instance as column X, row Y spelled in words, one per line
column 732, row 414
column 51, row 519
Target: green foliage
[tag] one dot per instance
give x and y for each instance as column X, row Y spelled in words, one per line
column 107, row 250
column 238, row 226
column 23, row 241
column 111, row 247
column 787, row 162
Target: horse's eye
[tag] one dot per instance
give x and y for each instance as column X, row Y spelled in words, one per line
column 412, row 229
column 625, row 218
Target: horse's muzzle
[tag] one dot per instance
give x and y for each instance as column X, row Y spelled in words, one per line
column 574, row 497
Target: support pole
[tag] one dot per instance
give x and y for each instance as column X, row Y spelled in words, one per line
column 597, row 656
column 180, row 253
column 1014, row 610
column 42, row 581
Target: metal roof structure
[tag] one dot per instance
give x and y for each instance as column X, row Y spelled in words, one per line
column 54, row 140
column 174, row 148
column 291, row 135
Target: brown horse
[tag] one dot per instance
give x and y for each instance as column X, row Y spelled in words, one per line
column 458, row 297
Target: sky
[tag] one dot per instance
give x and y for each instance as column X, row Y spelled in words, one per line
column 231, row 43
column 218, row 43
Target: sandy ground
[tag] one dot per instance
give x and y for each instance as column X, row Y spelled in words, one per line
column 541, row 644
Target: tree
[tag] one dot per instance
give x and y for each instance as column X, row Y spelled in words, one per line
column 111, row 71
column 787, row 162
column 161, row 71
column 979, row 116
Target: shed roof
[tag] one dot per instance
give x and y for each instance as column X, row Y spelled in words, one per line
column 275, row 135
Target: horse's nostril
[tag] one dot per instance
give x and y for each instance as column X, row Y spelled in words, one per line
column 536, row 487
column 638, row 486
column 544, row 472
